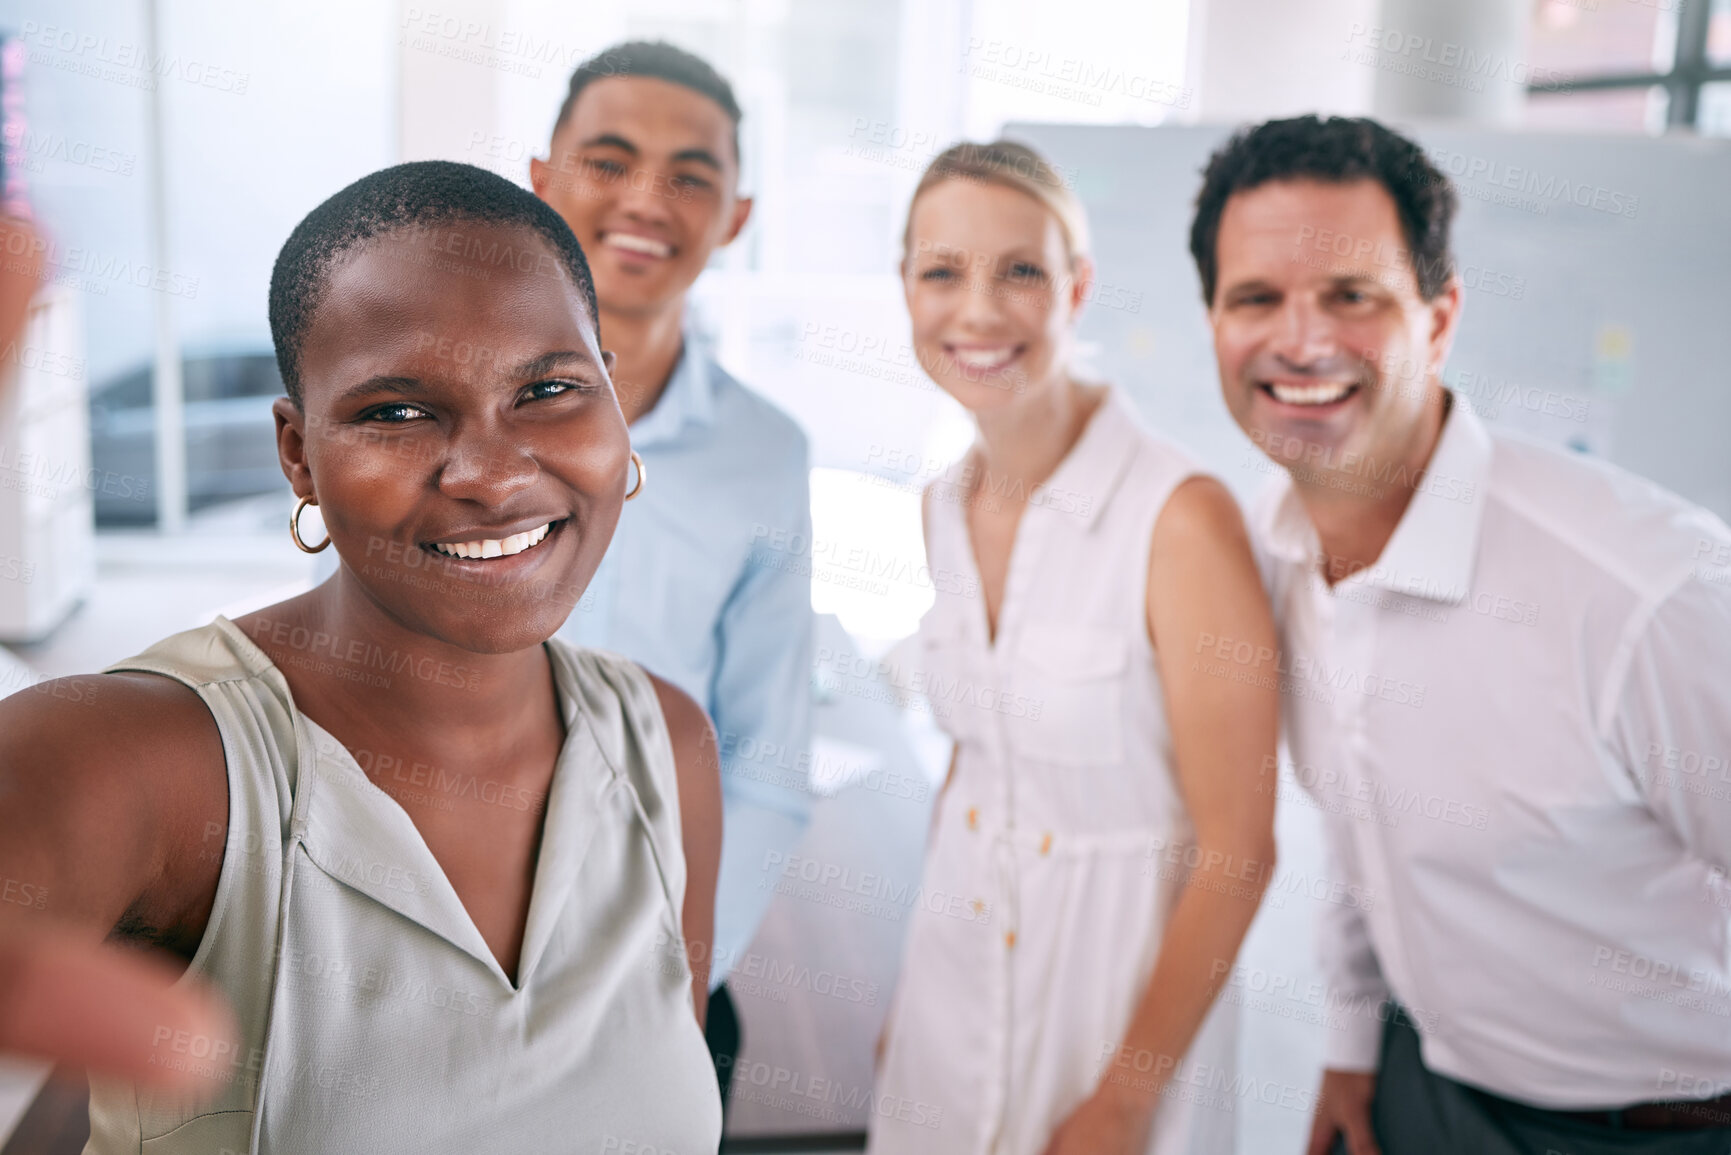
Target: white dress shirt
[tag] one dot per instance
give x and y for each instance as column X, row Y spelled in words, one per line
column 1517, row 728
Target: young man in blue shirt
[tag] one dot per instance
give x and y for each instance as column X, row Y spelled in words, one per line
column 644, row 166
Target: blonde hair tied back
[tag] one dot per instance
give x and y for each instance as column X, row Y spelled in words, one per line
column 1009, row 165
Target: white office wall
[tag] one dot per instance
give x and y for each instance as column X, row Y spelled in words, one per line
column 268, row 107
column 1251, row 60
column 316, row 113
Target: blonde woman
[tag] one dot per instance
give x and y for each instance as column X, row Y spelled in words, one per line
column 1107, row 822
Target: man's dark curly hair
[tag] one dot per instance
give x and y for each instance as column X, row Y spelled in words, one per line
column 656, row 60
column 416, row 195
column 1338, row 150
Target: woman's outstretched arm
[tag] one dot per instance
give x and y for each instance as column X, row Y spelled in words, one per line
column 109, row 785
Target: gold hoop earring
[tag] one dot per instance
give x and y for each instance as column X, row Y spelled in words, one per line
column 642, row 476
column 295, row 528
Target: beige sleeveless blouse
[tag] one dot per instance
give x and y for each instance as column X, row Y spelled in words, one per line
column 373, row 1017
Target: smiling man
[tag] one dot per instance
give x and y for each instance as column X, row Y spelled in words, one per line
column 1509, row 676
column 644, row 166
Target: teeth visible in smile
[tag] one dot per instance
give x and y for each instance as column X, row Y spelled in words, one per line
column 495, row 546
column 1322, row 393
column 635, row 244
column 985, row 359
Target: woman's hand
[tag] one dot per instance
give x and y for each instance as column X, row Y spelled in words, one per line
column 70, row 1000
column 20, row 276
column 1108, row 1122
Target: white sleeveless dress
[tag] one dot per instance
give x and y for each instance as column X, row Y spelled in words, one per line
column 373, row 1016
column 1048, row 880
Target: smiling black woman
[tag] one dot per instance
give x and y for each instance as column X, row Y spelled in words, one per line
column 447, row 872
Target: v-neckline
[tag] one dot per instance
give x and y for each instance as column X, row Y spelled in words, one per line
column 442, row 910
column 568, row 824
column 990, row 631
column 1017, row 538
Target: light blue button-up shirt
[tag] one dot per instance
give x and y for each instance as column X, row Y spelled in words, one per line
column 686, row 592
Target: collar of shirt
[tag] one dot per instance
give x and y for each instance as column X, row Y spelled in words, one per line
column 1083, row 482
column 689, row 399
column 1433, row 550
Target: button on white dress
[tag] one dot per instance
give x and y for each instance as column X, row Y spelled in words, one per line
column 1047, row 883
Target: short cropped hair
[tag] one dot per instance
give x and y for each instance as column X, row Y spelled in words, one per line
column 656, row 60
column 1008, row 165
column 1338, row 150
column 418, row 194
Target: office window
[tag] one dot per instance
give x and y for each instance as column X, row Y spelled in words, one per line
column 1714, row 116
column 1603, row 110
column 1644, row 66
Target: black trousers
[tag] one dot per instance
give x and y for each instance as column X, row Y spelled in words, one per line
column 1418, row 1112
column 721, row 1032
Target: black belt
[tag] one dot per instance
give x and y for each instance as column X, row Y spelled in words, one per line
column 1677, row 1115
